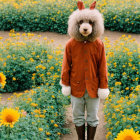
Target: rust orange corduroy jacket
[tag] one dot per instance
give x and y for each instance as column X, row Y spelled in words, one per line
column 84, row 67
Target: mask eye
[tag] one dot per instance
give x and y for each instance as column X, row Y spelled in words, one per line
column 81, row 21
column 90, row 22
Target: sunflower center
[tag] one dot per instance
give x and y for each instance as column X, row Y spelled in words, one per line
column 9, row 118
column 128, row 138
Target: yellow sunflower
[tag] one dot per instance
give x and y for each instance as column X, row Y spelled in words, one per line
column 2, row 80
column 128, row 134
column 9, row 117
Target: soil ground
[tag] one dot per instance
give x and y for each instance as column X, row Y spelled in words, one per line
column 61, row 40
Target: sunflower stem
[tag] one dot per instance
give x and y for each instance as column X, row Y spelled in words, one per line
column 8, row 131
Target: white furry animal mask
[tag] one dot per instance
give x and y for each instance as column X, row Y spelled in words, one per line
column 86, row 24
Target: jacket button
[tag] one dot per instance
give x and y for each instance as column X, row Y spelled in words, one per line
column 78, row 82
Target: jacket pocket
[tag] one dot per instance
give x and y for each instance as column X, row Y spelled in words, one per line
column 76, row 85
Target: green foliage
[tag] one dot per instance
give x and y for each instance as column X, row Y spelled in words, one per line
column 34, row 17
column 124, row 19
column 30, row 64
column 44, row 117
column 122, row 113
column 123, row 65
column 53, row 15
column 122, row 107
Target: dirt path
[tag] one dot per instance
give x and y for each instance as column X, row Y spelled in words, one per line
column 62, row 39
column 4, row 99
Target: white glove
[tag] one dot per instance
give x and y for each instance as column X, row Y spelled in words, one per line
column 66, row 90
column 103, row 93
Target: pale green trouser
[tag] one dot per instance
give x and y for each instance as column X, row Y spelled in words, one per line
column 78, row 110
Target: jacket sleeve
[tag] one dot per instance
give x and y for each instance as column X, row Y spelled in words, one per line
column 103, row 79
column 66, row 66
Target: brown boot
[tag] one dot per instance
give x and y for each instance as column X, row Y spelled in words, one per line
column 80, row 132
column 90, row 132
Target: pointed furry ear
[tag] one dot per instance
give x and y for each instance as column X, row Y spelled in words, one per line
column 92, row 6
column 80, row 5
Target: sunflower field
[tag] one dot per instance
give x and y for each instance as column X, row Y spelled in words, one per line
column 122, row 112
column 122, row 107
column 52, row 15
column 123, row 64
column 36, row 113
column 29, row 63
